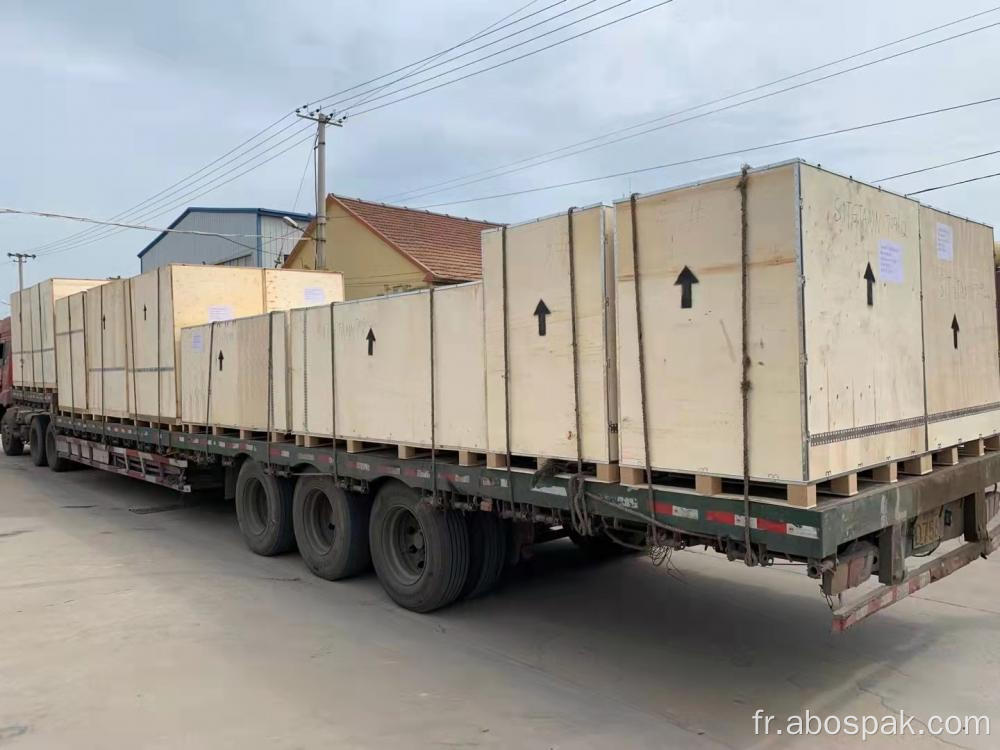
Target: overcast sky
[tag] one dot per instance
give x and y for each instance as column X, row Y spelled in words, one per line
column 107, row 103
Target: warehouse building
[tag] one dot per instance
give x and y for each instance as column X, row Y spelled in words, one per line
column 381, row 249
column 268, row 236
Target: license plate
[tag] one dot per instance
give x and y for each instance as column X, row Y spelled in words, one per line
column 928, row 529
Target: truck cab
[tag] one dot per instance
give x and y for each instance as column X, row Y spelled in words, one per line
column 6, row 366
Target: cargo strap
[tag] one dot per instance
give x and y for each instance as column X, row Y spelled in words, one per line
column 41, row 343
column 506, row 368
column 270, row 383
column 333, row 391
column 434, row 473
column 159, row 366
column 69, row 348
column 579, row 514
column 748, row 555
column 131, row 333
column 104, row 400
column 208, row 389
column 642, row 365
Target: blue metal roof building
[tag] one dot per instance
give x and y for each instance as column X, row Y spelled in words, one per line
column 267, row 238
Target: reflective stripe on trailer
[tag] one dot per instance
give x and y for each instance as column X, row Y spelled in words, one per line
column 730, row 518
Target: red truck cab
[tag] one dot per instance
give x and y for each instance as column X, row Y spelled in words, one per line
column 6, row 366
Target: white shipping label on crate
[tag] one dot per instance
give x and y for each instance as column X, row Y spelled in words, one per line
column 197, row 342
column 945, row 242
column 217, row 313
column 890, row 262
column 313, row 294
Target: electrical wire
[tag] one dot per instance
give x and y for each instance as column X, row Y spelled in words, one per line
column 310, row 157
column 733, row 152
column 938, row 166
column 953, row 184
column 88, row 220
column 505, row 62
column 381, row 87
column 428, row 189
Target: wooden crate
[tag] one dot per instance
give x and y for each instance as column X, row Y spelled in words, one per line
column 71, row 353
column 960, row 329
column 107, row 334
column 33, row 334
column 459, row 368
column 835, row 378
column 542, row 396
column 168, row 299
column 234, row 374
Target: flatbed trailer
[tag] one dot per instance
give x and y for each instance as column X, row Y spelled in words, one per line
column 429, row 517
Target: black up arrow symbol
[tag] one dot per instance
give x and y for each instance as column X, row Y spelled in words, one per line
column 954, row 330
column 541, row 311
column 221, row 357
column 370, row 338
column 870, row 278
column 685, row 279
column 143, row 312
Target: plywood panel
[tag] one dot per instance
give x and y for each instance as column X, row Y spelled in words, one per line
column 289, row 289
column 864, row 369
column 383, row 395
column 459, row 368
column 693, row 341
column 71, row 369
column 225, row 368
column 959, row 327
column 17, row 341
column 542, row 394
column 310, row 371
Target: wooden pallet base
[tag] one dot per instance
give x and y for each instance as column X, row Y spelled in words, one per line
column 470, row 458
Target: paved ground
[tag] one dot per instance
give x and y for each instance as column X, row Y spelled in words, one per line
column 131, row 630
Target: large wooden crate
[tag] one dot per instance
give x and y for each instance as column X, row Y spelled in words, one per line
column 107, row 334
column 399, row 323
column 168, row 299
column 960, row 329
column 835, row 382
column 234, row 374
column 71, row 353
column 536, row 356
column 33, row 331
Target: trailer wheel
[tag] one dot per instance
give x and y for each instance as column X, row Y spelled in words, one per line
column 36, row 440
column 487, row 553
column 13, row 445
column 421, row 554
column 264, row 510
column 56, row 462
column 331, row 528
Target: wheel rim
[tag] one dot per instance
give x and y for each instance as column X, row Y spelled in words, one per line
column 320, row 528
column 256, row 507
column 407, row 552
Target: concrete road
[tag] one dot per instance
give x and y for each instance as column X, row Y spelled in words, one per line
column 129, row 620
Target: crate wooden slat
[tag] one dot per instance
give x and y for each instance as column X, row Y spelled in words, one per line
column 107, row 333
column 168, row 299
column 71, row 353
column 836, row 384
column 226, row 374
column 33, row 334
column 960, row 329
column 542, row 398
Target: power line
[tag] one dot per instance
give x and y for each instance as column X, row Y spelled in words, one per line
column 505, row 62
column 734, row 152
column 88, row 220
column 953, row 184
column 477, row 49
column 938, row 166
column 465, row 179
column 302, row 180
column 186, row 180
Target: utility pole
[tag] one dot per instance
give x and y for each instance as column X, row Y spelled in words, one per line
column 322, row 120
column 20, row 259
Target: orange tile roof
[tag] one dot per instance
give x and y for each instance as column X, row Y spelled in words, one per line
column 448, row 247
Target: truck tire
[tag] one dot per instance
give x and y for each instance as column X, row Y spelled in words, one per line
column 13, row 445
column 36, row 440
column 487, row 553
column 56, row 462
column 420, row 553
column 264, row 510
column 331, row 528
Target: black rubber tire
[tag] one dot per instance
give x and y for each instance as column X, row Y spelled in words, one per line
column 12, row 444
column 331, row 528
column 487, row 553
column 264, row 510
column 36, row 440
column 440, row 539
column 56, row 462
